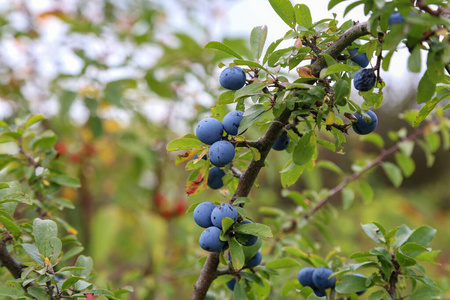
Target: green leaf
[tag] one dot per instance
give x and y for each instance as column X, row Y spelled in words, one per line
column 333, row 3
column 70, row 282
column 422, row 236
column 219, row 111
column 114, row 90
column 291, row 173
column 101, row 292
column 9, row 223
column 414, row 61
column 257, row 40
column 34, row 119
column 305, row 148
column 239, row 291
column 86, row 263
column 222, row 47
column 348, row 195
column 373, row 232
column 260, row 230
column 237, row 254
column 402, row 235
column 250, row 251
column 226, row 224
column 303, row 15
column 11, row 289
column 44, row 231
column 393, row 173
column 38, row 293
column 4, row 185
column 45, row 141
column 373, row 138
column 65, row 180
column 188, row 141
column 285, row 10
column 426, row 88
column 366, row 191
column 341, row 89
column 251, row 116
column 17, row 197
column 253, row 88
column 227, row 97
column 406, row 163
column 425, row 292
column 240, row 200
column 33, row 252
column 352, row 284
column 282, row 263
column 337, row 68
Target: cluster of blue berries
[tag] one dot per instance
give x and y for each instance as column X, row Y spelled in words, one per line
column 317, row 278
column 209, row 215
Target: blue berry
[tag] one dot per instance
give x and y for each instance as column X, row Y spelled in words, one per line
column 231, row 121
column 361, row 58
column 321, row 280
column 256, row 260
column 210, row 239
column 251, row 239
column 230, row 284
column 223, row 211
column 282, row 143
column 396, row 18
column 320, row 293
column 364, row 80
column 305, row 277
column 202, row 214
column 209, row 131
column 232, row 78
column 362, row 127
column 215, row 178
column 221, row 153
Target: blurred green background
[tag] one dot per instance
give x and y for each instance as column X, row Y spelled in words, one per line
column 118, row 80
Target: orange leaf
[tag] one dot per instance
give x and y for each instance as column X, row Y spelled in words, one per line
column 304, row 72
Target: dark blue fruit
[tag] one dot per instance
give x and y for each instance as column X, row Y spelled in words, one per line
column 320, row 293
column 320, row 278
column 215, row 178
column 256, row 260
column 230, row 284
column 210, row 239
column 221, row 153
column 231, row 121
column 202, row 214
column 361, row 58
column 282, row 143
column 251, row 239
column 396, row 18
column 223, row 211
column 209, row 131
column 364, row 80
column 305, row 277
column 363, row 291
column 362, row 127
column 232, row 78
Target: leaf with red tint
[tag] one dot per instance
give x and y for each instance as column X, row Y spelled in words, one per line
column 90, row 296
column 198, row 185
column 187, row 156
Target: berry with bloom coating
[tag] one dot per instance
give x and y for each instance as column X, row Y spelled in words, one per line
column 362, row 127
column 396, row 18
column 256, row 260
column 210, row 239
column 361, row 58
column 221, row 153
column 321, row 280
column 251, row 239
column 305, row 277
column 215, row 178
column 209, row 131
column 282, row 143
column 364, row 80
column 223, row 211
column 231, row 121
column 202, row 214
column 232, row 78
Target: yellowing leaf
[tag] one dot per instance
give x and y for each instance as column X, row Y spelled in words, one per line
column 304, row 72
column 330, row 118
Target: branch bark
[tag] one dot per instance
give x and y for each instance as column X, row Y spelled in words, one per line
column 6, row 259
column 247, row 180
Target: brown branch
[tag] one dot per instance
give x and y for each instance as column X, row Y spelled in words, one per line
column 6, row 259
column 377, row 161
column 247, row 180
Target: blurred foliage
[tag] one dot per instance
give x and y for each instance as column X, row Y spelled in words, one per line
column 116, row 84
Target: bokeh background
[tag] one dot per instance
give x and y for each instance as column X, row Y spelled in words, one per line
column 118, row 80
